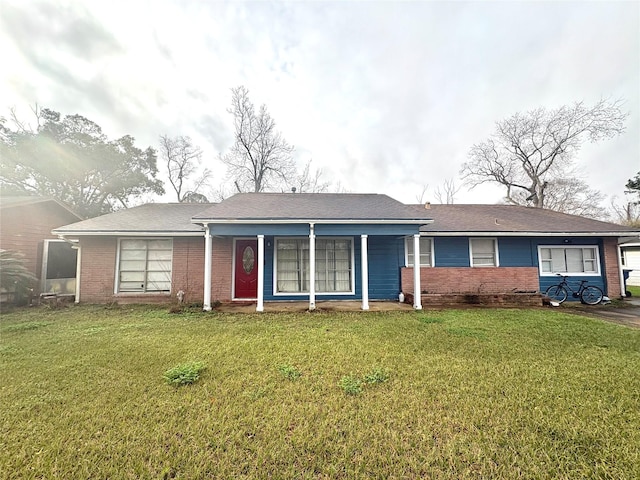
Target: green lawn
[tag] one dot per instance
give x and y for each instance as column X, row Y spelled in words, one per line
column 470, row 394
column 635, row 290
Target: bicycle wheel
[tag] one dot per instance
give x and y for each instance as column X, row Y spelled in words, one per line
column 591, row 295
column 556, row 293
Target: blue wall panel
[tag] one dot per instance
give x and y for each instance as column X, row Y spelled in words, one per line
column 366, row 229
column 386, row 256
column 451, row 251
column 242, row 230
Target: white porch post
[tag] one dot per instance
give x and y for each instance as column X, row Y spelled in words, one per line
column 623, row 291
column 78, row 269
column 260, row 304
column 365, row 271
column 312, row 267
column 207, row 269
column 417, row 299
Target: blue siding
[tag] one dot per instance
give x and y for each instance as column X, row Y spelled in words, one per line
column 386, row 256
column 517, row 252
column 574, row 280
column 451, row 251
column 243, row 230
column 366, row 229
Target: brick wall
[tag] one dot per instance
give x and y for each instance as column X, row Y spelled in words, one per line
column 472, row 280
column 188, row 268
column 23, row 228
column 98, row 270
column 222, row 269
column 611, row 271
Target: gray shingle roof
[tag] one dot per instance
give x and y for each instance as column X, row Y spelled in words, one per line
column 311, row 206
column 513, row 219
column 10, row 201
column 160, row 218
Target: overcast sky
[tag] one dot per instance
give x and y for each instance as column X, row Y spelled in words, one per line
column 385, row 97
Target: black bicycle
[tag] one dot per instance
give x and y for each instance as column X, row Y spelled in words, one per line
column 589, row 294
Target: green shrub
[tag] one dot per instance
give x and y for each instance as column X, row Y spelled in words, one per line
column 351, row 385
column 184, row 373
column 377, row 375
column 15, row 278
column 289, row 372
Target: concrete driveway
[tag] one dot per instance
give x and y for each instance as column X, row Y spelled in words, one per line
column 626, row 314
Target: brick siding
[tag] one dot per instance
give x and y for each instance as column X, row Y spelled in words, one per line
column 611, row 270
column 23, row 228
column 472, row 280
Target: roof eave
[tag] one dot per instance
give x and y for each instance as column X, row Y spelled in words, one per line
column 271, row 221
column 522, row 234
column 132, row 233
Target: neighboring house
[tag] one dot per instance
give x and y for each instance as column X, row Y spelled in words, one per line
column 631, row 261
column 262, row 247
column 25, row 226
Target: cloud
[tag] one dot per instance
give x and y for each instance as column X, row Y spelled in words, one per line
column 383, row 96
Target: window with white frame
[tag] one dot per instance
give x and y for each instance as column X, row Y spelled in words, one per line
column 570, row 260
column 145, row 265
column 483, row 252
column 425, row 251
column 334, row 265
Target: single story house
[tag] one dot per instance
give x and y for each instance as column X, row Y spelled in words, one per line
column 264, row 247
column 25, row 227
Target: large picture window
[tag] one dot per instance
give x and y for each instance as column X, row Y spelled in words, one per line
column 570, row 260
column 483, row 252
column 145, row 265
column 426, row 255
column 334, row 265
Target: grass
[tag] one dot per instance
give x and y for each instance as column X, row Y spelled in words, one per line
column 475, row 393
column 635, row 290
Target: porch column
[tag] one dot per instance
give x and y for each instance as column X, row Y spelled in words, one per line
column 260, row 304
column 623, row 291
column 78, row 269
column 312, row 267
column 207, row 269
column 365, row 271
column 417, row 299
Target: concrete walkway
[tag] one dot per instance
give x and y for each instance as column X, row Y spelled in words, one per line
column 627, row 314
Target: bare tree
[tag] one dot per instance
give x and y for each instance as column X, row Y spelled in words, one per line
column 422, row 196
column 627, row 211
column 447, row 194
column 528, row 151
column 260, row 157
column 182, row 159
column 574, row 196
column 308, row 181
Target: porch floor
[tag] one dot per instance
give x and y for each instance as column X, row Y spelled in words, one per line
column 322, row 306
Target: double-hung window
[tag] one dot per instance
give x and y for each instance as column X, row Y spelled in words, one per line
column 483, row 252
column 333, row 265
column 145, row 265
column 426, row 249
column 570, row 260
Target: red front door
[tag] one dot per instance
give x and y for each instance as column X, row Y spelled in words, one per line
column 246, row 269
